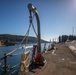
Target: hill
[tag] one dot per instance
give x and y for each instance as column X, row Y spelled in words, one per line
column 15, row 39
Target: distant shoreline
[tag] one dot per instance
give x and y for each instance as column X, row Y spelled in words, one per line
column 11, row 44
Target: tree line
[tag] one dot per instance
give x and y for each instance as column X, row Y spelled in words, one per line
column 15, row 39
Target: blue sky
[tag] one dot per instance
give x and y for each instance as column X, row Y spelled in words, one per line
column 57, row 17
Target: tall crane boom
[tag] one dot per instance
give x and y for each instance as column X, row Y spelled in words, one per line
column 33, row 9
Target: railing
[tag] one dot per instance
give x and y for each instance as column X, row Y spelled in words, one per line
column 6, row 67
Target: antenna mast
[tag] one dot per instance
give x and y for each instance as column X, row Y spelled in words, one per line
column 73, row 31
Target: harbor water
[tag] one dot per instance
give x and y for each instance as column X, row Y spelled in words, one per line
column 14, row 60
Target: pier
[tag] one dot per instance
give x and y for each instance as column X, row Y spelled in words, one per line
column 61, row 62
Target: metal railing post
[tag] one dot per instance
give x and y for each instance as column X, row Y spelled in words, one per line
column 5, row 63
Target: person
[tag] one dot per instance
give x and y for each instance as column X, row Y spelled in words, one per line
column 52, row 45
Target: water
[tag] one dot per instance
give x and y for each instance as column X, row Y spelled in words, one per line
column 11, row 61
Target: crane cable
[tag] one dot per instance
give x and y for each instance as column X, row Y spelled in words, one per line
column 33, row 26
column 26, row 36
column 20, row 42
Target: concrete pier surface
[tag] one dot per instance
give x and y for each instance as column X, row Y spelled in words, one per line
column 59, row 62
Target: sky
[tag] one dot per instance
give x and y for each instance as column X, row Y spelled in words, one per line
column 57, row 17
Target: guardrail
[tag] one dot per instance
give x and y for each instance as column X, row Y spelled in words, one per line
column 6, row 67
